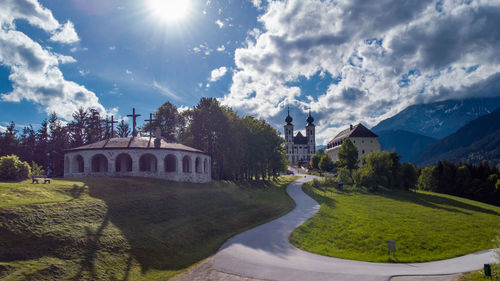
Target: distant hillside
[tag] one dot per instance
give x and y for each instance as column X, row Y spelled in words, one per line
column 477, row 141
column 407, row 144
column 438, row 119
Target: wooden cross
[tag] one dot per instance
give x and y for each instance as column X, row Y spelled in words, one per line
column 150, row 120
column 112, row 125
column 134, row 123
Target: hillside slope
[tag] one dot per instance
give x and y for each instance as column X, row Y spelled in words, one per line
column 406, row 144
column 438, row 119
column 125, row 228
column 477, row 141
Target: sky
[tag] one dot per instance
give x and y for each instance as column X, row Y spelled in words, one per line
column 345, row 61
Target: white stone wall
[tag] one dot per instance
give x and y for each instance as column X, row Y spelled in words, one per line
column 201, row 176
column 364, row 146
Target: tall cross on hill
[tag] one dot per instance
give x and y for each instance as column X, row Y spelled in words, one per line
column 112, row 126
column 150, row 120
column 134, row 122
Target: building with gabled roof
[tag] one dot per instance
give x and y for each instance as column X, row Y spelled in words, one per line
column 364, row 140
column 300, row 148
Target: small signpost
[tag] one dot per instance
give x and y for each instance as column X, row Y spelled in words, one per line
column 391, row 247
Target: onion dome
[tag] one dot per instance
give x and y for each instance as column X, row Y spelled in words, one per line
column 288, row 118
column 310, row 119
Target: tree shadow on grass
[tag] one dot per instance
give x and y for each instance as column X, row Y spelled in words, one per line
column 92, row 246
column 172, row 228
column 436, row 202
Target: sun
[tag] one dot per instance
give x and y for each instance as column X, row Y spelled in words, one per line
column 169, row 10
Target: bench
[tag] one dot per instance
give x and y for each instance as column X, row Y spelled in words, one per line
column 37, row 180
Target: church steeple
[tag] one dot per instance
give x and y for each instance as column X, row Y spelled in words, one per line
column 288, row 118
column 310, row 119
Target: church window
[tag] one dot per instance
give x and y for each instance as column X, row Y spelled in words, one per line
column 354, row 141
column 362, row 141
column 371, row 141
column 363, row 151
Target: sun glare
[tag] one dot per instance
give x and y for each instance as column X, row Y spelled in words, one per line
column 169, row 10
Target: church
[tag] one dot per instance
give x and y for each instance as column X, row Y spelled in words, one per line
column 299, row 148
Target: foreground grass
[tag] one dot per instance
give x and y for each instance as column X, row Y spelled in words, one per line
column 479, row 275
column 125, row 228
column 355, row 224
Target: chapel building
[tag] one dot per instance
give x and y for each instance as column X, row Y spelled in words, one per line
column 362, row 138
column 300, row 148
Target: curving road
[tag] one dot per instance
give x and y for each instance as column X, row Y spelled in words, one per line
column 265, row 253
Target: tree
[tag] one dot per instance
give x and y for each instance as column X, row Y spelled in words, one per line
column 376, row 170
column 347, row 156
column 326, row 163
column 123, row 129
column 314, row 162
column 408, row 176
column 77, row 128
column 427, row 179
column 168, row 119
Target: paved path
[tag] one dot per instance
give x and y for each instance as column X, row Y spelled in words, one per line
column 265, row 253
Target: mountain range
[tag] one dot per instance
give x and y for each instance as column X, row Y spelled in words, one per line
column 438, row 119
column 477, row 141
column 414, row 132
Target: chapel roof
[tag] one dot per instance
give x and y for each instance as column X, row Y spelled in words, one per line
column 299, row 139
column 135, row 143
column 356, row 131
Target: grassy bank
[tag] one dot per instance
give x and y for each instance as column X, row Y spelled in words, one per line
column 125, row 228
column 354, row 224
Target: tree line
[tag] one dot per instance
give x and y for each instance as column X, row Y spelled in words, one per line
column 480, row 182
column 242, row 148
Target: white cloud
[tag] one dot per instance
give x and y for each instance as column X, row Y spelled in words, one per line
column 203, row 48
column 2, row 129
column 409, row 52
column 34, row 70
column 128, row 72
column 83, row 72
column 112, row 48
column 221, row 48
column 66, row 34
column 182, row 108
column 219, row 23
column 257, row 3
column 218, row 73
column 166, row 91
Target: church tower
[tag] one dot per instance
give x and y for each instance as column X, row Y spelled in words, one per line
column 288, row 128
column 311, row 135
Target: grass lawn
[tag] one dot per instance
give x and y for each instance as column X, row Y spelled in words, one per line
column 125, row 228
column 479, row 275
column 354, row 224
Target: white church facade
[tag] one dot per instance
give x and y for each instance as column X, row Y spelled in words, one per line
column 300, row 148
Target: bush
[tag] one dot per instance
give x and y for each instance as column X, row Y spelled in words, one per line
column 344, row 175
column 11, row 168
column 37, row 170
column 365, row 176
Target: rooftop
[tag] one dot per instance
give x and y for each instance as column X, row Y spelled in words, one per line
column 356, row 131
column 134, row 143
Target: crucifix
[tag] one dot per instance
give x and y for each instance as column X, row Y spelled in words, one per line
column 112, row 125
column 134, row 123
column 150, row 120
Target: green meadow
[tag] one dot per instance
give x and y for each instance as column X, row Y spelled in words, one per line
column 125, row 228
column 356, row 224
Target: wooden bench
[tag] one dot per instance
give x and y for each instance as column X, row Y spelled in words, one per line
column 37, row 180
